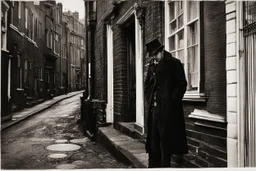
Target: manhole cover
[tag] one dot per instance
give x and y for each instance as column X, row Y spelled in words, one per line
column 63, row 147
column 79, row 162
column 57, row 156
column 61, row 141
column 66, row 166
column 79, row 141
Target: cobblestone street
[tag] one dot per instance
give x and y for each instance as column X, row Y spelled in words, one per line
column 24, row 146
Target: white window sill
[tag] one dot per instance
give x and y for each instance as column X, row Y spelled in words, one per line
column 194, row 97
column 20, row 89
column 204, row 115
column 5, row 50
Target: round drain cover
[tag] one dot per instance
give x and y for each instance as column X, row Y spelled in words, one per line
column 63, row 147
column 66, row 166
column 79, row 162
column 57, row 156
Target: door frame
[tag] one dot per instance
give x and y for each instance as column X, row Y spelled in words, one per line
column 110, row 75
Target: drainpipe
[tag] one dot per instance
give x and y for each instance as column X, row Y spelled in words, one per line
column 86, row 50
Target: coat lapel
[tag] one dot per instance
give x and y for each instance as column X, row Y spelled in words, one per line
column 163, row 64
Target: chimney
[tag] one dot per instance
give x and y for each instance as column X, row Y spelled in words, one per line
column 76, row 15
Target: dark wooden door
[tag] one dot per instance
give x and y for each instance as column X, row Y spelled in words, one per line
column 131, row 71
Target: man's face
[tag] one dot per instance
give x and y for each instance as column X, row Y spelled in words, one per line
column 158, row 55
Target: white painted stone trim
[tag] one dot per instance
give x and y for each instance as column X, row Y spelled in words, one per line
column 240, row 87
column 205, row 115
column 126, row 16
column 110, row 77
column 139, row 75
column 23, row 35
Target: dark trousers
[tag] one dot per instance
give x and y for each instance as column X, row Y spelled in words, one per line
column 158, row 157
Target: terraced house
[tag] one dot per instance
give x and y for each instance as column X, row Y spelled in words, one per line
column 35, row 53
column 214, row 40
column 76, row 48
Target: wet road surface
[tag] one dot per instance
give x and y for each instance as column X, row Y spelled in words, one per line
column 52, row 139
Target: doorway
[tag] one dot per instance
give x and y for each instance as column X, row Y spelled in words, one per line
column 131, row 70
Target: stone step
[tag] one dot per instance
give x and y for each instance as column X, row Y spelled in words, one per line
column 130, row 150
column 122, row 147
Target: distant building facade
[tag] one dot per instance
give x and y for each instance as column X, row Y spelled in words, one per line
column 35, row 50
column 76, row 50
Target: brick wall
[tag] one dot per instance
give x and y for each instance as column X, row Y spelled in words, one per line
column 214, row 56
column 204, row 134
column 153, row 29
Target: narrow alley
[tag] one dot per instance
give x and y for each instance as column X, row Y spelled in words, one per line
column 52, row 139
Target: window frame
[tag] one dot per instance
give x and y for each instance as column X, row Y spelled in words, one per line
column 33, row 27
column 26, row 18
column 185, row 29
column 19, row 9
column 20, row 75
column 4, row 8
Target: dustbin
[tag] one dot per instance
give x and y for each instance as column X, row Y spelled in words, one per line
column 88, row 119
column 21, row 98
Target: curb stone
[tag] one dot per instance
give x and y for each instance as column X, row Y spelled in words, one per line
column 14, row 122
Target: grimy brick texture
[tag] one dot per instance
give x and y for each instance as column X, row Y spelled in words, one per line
column 153, row 29
column 215, row 56
column 213, row 50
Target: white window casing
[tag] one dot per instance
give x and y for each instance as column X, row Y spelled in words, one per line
column 19, row 9
column 4, row 10
column 182, row 40
column 26, row 18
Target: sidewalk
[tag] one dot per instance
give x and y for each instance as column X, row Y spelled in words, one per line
column 28, row 112
column 123, row 147
column 131, row 150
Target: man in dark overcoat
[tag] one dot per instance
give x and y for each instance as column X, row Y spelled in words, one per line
column 165, row 86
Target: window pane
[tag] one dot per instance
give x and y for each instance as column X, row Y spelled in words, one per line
column 249, row 12
column 192, row 10
column 193, row 68
column 172, row 43
column 173, row 54
column 180, row 55
column 180, row 36
column 179, row 8
column 173, row 26
column 193, row 33
column 180, row 21
column 171, row 5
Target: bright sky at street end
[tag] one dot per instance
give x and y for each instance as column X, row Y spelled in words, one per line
column 73, row 5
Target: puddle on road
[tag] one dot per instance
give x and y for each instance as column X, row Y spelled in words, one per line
column 61, row 141
column 57, row 156
column 41, row 139
column 66, row 166
column 71, row 117
column 63, row 147
column 64, row 116
column 81, row 164
column 79, row 141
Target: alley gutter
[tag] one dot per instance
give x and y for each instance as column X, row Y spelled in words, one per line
column 8, row 124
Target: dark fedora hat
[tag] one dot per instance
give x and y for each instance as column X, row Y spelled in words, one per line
column 154, row 46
